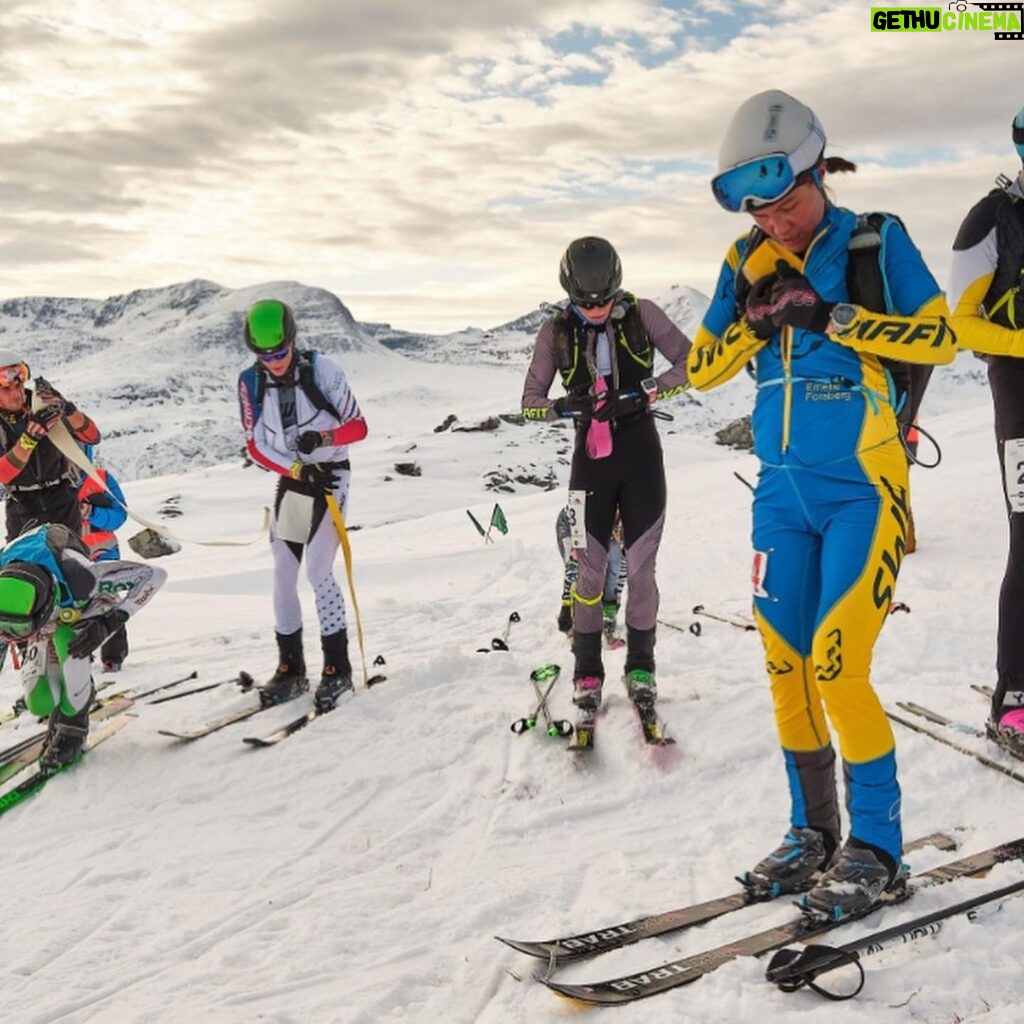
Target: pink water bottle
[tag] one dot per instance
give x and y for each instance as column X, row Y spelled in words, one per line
column 599, row 435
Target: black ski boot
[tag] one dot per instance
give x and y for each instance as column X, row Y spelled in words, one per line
column 65, row 736
column 290, row 678
column 588, row 675
column 854, row 882
column 565, row 618
column 639, row 673
column 337, row 675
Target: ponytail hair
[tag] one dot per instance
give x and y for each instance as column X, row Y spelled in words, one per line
column 835, row 164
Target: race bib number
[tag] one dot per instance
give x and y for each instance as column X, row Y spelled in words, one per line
column 758, row 572
column 576, row 509
column 1013, row 471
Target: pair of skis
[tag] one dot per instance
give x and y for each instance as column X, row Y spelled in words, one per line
column 246, row 682
column 949, row 728
column 663, row 977
column 114, row 717
column 652, row 728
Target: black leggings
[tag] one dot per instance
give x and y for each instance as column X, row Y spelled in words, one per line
column 1006, row 378
column 632, row 480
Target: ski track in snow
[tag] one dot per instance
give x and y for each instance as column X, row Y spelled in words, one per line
column 358, row 871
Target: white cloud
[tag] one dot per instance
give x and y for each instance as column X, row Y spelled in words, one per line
column 429, row 163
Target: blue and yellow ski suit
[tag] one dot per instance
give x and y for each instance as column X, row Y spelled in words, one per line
column 830, row 509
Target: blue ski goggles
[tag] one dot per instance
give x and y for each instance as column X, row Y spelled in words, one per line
column 758, row 182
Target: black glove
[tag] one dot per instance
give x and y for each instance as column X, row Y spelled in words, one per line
column 49, row 395
column 308, row 441
column 88, row 634
column 100, row 499
column 619, row 403
column 759, row 307
column 576, row 403
column 39, row 423
column 795, row 302
column 323, row 478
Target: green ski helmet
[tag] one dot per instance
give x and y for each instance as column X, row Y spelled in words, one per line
column 269, row 326
column 27, row 596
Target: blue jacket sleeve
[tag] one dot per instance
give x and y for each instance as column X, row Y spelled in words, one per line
column 112, row 518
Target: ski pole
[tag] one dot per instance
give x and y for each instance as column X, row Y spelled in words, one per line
column 791, row 969
column 557, row 727
column 986, row 761
column 378, row 677
column 693, row 627
column 243, row 679
column 545, row 674
column 500, row 643
column 699, row 609
column 194, row 674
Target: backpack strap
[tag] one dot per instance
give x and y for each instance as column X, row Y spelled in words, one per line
column 1004, row 300
column 865, row 273
column 310, row 388
column 630, row 331
column 742, row 286
column 306, row 380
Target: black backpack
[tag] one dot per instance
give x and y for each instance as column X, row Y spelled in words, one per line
column 304, row 379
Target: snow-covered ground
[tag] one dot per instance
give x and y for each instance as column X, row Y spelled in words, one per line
column 358, row 872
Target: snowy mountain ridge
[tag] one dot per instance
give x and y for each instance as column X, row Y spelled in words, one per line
column 157, row 370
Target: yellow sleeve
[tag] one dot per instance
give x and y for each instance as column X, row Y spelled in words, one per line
column 714, row 360
column 925, row 337
column 978, row 334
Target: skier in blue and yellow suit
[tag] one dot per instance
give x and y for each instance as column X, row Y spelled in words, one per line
column 830, row 507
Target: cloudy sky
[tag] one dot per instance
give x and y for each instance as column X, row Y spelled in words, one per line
column 429, row 161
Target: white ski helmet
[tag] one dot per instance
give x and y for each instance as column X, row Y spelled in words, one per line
column 771, row 140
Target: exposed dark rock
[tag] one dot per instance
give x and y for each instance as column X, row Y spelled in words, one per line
column 448, row 421
column 408, row 468
column 491, row 423
column 736, row 434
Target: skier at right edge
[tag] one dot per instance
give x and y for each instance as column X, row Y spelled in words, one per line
column 986, row 295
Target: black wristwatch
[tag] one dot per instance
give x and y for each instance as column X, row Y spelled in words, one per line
column 843, row 316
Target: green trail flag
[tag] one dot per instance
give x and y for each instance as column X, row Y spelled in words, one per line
column 472, row 518
column 498, row 520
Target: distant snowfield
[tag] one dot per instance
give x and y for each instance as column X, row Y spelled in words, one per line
column 358, row 872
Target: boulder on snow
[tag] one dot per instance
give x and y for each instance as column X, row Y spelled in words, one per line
column 151, row 544
column 736, row 434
